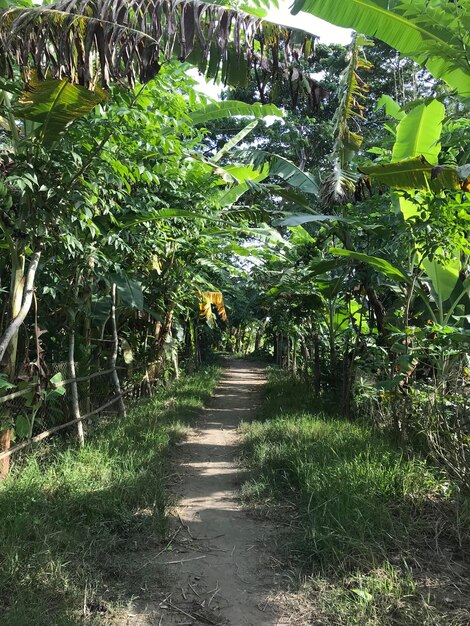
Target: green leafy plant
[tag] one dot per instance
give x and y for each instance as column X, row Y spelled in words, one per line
column 35, row 400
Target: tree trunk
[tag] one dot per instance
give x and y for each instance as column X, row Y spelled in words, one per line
column 305, row 355
column 113, row 361
column 16, row 300
column 247, row 340
column 347, row 378
column 87, row 346
column 193, row 341
column 165, row 331
column 73, row 385
column 294, row 355
column 146, row 380
column 5, row 440
column 24, row 285
column 174, row 357
column 238, row 339
column 378, row 309
column 317, row 363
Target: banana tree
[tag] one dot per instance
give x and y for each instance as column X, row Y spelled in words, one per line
column 434, row 34
column 448, row 291
column 415, row 160
column 85, row 43
column 441, row 311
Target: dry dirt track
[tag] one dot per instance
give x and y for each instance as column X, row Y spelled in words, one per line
column 218, row 570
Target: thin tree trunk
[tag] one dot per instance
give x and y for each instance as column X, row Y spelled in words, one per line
column 238, row 339
column 378, row 309
column 294, row 355
column 16, row 300
column 174, row 356
column 259, row 335
column 305, row 354
column 317, row 363
column 73, row 385
column 165, row 331
column 146, row 380
column 10, row 336
column 193, row 341
column 247, row 340
column 346, row 380
column 5, row 441
column 87, row 346
column 114, row 354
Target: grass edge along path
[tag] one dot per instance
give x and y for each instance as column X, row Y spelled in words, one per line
column 74, row 521
column 379, row 538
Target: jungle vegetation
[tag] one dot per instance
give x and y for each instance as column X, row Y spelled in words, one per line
column 316, row 215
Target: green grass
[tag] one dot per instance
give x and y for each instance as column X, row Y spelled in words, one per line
column 73, row 521
column 359, row 511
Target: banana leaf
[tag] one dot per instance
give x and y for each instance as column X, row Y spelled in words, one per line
column 381, row 265
column 419, row 133
column 54, row 104
column 435, row 35
column 232, row 108
column 417, row 173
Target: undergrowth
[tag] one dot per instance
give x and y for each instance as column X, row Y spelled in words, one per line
column 71, row 519
column 380, row 535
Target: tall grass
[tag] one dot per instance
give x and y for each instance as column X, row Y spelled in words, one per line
column 360, row 504
column 72, row 520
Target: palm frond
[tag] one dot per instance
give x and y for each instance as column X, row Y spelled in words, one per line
column 88, row 41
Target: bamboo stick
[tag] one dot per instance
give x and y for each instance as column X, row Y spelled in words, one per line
column 55, row 429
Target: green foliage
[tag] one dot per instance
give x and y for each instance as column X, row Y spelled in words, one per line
column 391, row 107
column 282, row 168
column 234, row 141
column 381, row 265
column 130, row 291
column 35, row 400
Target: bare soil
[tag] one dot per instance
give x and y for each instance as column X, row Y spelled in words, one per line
column 216, row 568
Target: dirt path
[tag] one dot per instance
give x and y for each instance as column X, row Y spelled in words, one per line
column 218, row 570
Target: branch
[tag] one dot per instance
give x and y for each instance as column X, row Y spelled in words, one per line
column 47, row 433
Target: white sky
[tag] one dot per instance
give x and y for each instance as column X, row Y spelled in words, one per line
column 328, row 33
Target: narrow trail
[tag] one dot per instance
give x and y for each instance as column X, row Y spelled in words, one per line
column 218, row 571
